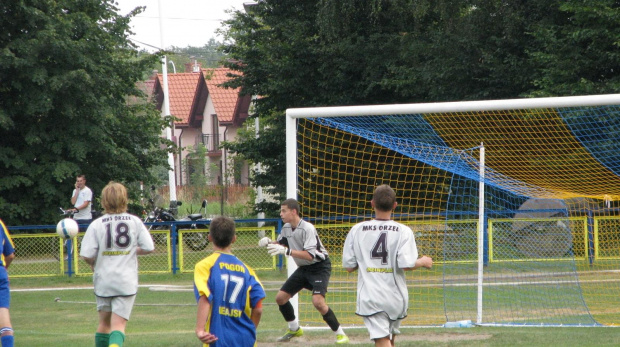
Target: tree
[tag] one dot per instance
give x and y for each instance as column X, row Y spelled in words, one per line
column 578, row 51
column 348, row 52
column 69, row 104
column 209, row 55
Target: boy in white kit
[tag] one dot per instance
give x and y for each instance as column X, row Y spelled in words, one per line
column 382, row 250
column 110, row 246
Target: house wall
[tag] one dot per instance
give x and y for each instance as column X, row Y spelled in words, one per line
column 221, row 161
column 185, row 138
column 214, row 162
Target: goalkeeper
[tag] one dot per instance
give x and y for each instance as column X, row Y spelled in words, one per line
column 299, row 240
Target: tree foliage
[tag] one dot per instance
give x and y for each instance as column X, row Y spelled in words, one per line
column 348, row 52
column 209, row 55
column 69, row 104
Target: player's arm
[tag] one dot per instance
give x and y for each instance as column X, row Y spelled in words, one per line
column 349, row 261
column 257, row 313
column 140, row 251
column 204, row 308
column 301, row 254
column 83, row 206
column 89, row 261
column 423, row 261
column 8, row 259
column 76, row 193
column 276, row 249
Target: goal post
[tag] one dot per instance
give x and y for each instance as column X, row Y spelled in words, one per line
column 522, row 235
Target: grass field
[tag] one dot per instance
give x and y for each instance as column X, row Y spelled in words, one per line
column 165, row 311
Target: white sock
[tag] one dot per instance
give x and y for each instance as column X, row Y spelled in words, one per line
column 340, row 331
column 293, row 325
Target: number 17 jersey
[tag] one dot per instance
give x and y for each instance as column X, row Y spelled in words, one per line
column 381, row 249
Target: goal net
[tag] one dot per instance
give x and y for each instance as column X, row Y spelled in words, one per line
column 516, row 201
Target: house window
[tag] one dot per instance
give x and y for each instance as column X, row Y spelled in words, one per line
column 195, row 171
column 215, row 131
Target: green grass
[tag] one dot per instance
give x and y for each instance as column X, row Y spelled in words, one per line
column 167, row 318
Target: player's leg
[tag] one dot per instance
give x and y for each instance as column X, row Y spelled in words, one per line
column 318, row 276
column 6, row 329
column 102, row 336
column 379, row 329
column 121, row 311
column 395, row 330
column 292, row 286
column 117, row 335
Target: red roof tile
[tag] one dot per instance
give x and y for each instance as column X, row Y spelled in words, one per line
column 181, row 92
column 224, row 99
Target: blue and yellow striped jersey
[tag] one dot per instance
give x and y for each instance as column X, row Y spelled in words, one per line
column 232, row 289
column 8, row 247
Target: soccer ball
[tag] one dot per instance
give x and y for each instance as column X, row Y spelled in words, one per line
column 67, row 228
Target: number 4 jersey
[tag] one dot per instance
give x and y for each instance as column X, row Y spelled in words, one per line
column 112, row 240
column 381, row 249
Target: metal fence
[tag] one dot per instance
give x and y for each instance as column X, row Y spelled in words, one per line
column 41, row 253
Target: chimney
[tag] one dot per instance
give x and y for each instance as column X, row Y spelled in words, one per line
column 193, row 67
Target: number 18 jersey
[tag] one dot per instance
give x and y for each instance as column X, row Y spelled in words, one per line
column 112, row 240
column 381, row 249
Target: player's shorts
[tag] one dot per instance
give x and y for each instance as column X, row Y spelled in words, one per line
column 380, row 325
column 5, row 292
column 120, row 305
column 314, row 277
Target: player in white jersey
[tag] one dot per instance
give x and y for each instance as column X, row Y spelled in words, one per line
column 110, row 246
column 382, row 250
column 299, row 240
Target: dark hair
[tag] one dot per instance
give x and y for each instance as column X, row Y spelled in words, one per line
column 222, row 231
column 384, row 198
column 291, row 204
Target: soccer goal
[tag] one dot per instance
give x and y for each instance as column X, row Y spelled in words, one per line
column 515, row 200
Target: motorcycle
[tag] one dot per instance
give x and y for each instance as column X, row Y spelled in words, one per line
column 195, row 241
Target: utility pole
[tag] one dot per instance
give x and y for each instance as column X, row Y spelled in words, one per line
column 164, row 70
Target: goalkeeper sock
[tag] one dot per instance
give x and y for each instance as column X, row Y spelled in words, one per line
column 331, row 320
column 116, row 339
column 101, row 339
column 293, row 325
column 288, row 312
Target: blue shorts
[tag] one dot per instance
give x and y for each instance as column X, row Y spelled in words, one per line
column 5, row 293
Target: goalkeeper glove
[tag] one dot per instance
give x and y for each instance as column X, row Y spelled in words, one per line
column 264, row 242
column 275, row 249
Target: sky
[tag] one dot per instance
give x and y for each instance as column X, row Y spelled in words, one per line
column 185, row 22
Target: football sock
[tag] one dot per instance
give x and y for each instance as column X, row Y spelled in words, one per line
column 293, row 325
column 288, row 312
column 7, row 338
column 116, row 339
column 7, row 341
column 331, row 320
column 101, row 339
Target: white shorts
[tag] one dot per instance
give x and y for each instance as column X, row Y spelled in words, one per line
column 119, row 305
column 380, row 325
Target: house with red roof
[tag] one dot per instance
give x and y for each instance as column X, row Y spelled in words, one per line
column 206, row 114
